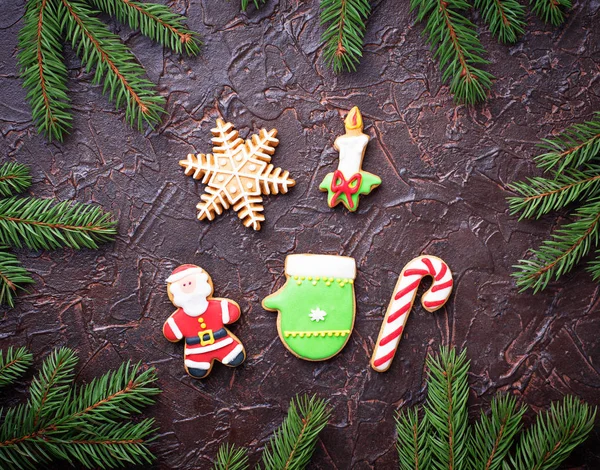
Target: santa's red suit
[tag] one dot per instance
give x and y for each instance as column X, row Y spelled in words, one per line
column 206, row 339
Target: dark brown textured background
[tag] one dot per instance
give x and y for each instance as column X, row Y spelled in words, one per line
column 444, row 170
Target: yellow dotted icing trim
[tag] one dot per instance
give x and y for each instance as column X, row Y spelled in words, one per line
column 327, row 280
column 322, row 333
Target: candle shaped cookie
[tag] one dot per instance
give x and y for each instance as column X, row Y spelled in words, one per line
column 349, row 181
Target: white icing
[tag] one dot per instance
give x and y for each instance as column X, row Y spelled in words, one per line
column 187, row 272
column 233, row 354
column 174, row 328
column 197, row 364
column 317, row 315
column 212, row 347
column 306, row 265
column 352, row 149
column 225, row 311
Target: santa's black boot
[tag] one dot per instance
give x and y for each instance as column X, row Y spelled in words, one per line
column 237, row 360
column 198, row 373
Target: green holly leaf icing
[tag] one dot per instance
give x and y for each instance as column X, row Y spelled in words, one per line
column 368, row 183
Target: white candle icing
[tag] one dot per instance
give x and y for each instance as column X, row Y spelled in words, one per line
column 351, row 148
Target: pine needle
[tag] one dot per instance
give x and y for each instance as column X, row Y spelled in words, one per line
column 14, row 179
column 506, row 18
column 13, row 364
column 458, row 48
column 155, row 21
column 231, row 457
column 446, row 409
column 494, row 435
column 43, row 70
column 80, row 425
column 551, row 11
column 41, row 224
column 554, row 435
column 539, row 196
column 563, row 251
column 344, row 36
column 293, row 444
column 573, row 147
column 13, row 276
column 257, row 4
column 414, row 452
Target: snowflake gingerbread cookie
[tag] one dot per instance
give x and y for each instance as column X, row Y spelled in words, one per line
column 237, row 174
column 316, row 305
column 200, row 320
column 349, row 181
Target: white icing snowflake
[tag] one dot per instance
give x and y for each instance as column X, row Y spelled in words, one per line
column 317, row 314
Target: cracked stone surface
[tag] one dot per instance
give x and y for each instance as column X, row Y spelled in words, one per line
column 444, row 168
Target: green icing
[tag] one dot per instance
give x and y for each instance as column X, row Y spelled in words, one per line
column 295, row 301
column 368, row 183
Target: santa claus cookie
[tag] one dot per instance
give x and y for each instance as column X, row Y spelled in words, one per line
column 349, row 181
column 199, row 320
column 316, row 305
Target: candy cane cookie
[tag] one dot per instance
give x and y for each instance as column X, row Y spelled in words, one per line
column 402, row 301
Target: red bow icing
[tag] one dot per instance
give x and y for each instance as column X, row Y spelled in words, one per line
column 340, row 186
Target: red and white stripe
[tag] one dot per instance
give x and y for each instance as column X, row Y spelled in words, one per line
column 402, row 302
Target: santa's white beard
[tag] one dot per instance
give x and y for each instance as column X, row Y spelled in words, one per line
column 194, row 304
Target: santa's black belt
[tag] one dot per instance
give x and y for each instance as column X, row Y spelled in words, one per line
column 206, row 336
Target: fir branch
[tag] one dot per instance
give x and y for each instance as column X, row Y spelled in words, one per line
column 554, row 435
column 13, row 364
column 115, row 65
column 155, row 21
column 458, row 48
column 573, row 147
column 506, row 18
column 49, row 388
column 231, row 457
column 257, row 4
column 494, row 435
column 563, row 251
column 412, row 436
column 551, row 11
column 43, row 70
column 14, row 179
column 594, row 267
column 39, row 223
column 344, row 36
column 538, row 196
column 13, row 276
column 446, row 409
column 85, row 427
column 293, row 444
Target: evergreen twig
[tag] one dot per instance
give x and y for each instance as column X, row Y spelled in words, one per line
column 13, row 364
column 458, row 48
column 573, row 147
column 62, row 422
column 49, row 22
column 494, row 435
column 554, row 435
column 155, row 21
column 343, row 38
column 414, row 452
column 231, row 457
column 293, row 444
column 446, row 408
column 551, row 11
column 563, row 251
column 14, row 179
column 13, row 276
column 43, row 69
column 41, row 224
column 506, row 18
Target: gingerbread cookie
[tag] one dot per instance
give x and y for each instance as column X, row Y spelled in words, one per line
column 402, row 301
column 237, row 174
column 200, row 320
column 316, row 305
column 349, row 181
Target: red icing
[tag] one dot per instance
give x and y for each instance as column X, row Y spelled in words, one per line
column 340, row 186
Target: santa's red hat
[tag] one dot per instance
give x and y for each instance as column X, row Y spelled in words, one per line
column 184, row 270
